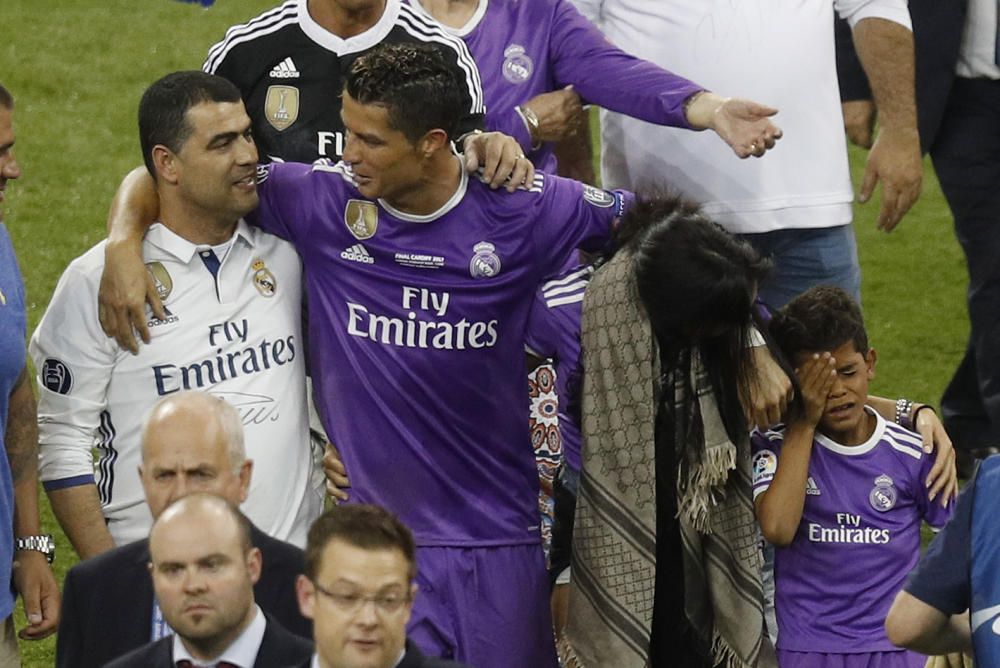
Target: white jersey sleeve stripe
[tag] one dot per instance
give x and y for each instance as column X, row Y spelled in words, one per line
column 578, row 286
column 265, row 24
column 560, row 301
column 568, row 278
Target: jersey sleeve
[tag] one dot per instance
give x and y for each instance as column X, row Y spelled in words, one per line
column 764, row 449
column 603, row 74
column 853, row 11
column 933, row 512
column 573, row 215
column 941, row 578
column 286, row 190
column 74, row 360
column 554, row 332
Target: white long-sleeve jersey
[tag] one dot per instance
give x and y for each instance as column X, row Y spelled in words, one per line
column 237, row 335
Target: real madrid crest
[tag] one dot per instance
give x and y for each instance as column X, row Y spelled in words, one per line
column 484, row 263
column 883, row 495
column 517, row 66
column 161, row 279
column 263, row 279
column 361, row 218
column 281, row 106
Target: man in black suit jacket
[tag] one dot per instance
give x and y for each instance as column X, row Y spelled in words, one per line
column 191, row 443
column 203, row 567
column 358, row 589
column 958, row 109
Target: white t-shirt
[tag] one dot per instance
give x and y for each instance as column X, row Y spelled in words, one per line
column 237, row 336
column 773, row 51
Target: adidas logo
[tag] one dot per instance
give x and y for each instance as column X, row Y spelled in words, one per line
column 285, row 70
column 811, row 488
column 357, row 253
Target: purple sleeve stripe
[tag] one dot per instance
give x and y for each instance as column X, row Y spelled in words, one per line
column 63, row 483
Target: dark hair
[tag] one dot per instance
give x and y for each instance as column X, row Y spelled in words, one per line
column 368, row 527
column 164, row 106
column 416, row 85
column 697, row 284
column 822, row 318
column 6, row 99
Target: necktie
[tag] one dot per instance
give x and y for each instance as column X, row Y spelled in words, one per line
column 184, row 663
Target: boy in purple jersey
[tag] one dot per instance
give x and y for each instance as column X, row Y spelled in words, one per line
column 840, row 491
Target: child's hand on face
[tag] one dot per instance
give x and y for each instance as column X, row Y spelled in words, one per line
column 816, row 378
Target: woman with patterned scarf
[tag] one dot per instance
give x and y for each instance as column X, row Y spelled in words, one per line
column 666, row 563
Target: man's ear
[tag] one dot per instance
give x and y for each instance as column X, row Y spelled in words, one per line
column 246, row 474
column 165, row 162
column 432, row 142
column 255, row 563
column 305, row 592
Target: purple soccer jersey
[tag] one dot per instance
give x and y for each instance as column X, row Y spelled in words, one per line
column 554, row 332
column 527, row 47
column 858, row 538
column 416, row 333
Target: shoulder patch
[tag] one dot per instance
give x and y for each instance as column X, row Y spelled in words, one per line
column 56, row 376
column 598, row 197
column 763, row 464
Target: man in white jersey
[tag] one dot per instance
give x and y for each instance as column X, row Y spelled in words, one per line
column 232, row 295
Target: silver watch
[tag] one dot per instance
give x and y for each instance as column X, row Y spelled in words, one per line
column 43, row 543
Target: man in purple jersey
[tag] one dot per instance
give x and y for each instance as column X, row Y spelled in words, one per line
column 840, row 492
column 420, row 283
column 539, row 58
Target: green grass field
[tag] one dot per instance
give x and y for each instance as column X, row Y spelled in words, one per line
column 78, row 67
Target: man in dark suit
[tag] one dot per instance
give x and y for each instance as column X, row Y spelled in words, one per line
column 192, row 442
column 358, row 589
column 203, row 568
column 958, row 109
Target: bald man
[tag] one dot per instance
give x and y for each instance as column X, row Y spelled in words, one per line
column 203, row 568
column 191, row 442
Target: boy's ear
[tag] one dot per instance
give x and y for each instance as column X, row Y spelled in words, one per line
column 870, row 360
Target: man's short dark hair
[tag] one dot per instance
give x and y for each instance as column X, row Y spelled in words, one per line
column 416, row 85
column 368, row 527
column 822, row 318
column 6, row 99
column 164, row 106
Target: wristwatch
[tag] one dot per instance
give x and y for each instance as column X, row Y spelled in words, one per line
column 43, row 543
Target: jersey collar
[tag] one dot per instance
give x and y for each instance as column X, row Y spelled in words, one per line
column 340, row 46
column 470, row 25
column 168, row 241
column 854, row 450
column 452, row 202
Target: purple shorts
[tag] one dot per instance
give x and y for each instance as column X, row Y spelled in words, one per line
column 897, row 659
column 484, row 606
